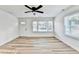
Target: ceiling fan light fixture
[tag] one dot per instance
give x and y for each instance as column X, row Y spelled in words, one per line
column 34, row 9
column 34, row 13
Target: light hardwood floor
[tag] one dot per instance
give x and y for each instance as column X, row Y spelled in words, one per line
column 25, row 45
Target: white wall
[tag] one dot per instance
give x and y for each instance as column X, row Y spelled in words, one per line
column 8, row 27
column 26, row 30
column 59, row 28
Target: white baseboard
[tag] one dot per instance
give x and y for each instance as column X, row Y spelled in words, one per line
column 70, row 42
column 10, row 39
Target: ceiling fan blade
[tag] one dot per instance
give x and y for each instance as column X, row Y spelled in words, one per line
column 28, row 7
column 39, row 11
column 39, row 7
column 28, row 11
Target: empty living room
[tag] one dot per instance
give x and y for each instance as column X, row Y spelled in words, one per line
column 39, row 29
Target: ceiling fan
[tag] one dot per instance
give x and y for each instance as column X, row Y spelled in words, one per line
column 34, row 9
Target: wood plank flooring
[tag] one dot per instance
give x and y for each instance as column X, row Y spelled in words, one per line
column 25, row 45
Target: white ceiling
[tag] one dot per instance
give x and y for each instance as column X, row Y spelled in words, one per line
column 18, row 10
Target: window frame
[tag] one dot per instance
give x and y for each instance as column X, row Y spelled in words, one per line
column 52, row 30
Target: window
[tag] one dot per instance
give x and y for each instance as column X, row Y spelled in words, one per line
column 72, row 25
column 42, row 26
